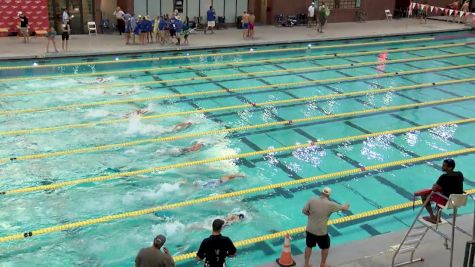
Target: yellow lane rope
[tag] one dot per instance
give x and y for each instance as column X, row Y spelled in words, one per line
column 137, row 213
column 251, row 105
column 256, row 51
column 197, row 162
column 222, row 76
column 299, row 230
column 221, row 91
column 190, row 135
column 232, row 63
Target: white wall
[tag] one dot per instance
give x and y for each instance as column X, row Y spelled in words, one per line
column 194, row 8
column 140, row 7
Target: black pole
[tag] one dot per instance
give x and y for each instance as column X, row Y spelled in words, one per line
column 146, row 7
column 186, row 3
column 161, row 14
column 235, row 12
column 199, row 9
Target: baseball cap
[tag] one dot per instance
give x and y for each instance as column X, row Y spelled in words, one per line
column 327, row 191
column 159, row 240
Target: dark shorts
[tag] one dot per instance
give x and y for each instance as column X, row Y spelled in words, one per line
column 323, row 241
column 172, row 32
column 65, row 36
column 245, row 25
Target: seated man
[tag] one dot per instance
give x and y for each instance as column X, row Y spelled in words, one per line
column 451, row 182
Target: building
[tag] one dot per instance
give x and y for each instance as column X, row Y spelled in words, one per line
column 44, row 12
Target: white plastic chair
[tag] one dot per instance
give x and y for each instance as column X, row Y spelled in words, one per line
column 91, row 27
column 455, row 201
column 389, row 16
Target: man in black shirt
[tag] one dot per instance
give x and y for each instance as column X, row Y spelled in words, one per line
column 451, row 182
column 23, row 26
column 216, row 248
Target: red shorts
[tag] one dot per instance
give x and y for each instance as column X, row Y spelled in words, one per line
column 435, row 197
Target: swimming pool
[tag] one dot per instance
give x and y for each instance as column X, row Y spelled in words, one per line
column 73, row 152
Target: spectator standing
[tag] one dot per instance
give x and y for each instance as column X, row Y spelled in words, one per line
column 311, row 15
column 245, row 25
column 66, row 30
column 252, row 21
column 216, row 248
column 465, row 8
column 50, row 35
column 153, row 256
column 65, row 16
column 24, row 27
column 119, row 15
column 323, row 13
column 211, row 17
column 318, row 211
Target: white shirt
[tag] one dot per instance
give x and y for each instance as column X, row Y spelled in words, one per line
column 311, row 11
column 118, row 14
column 65, row 16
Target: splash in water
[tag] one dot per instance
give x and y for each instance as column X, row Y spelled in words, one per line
column 312, row 154
column 373, row 144
column 137, row 127
column 412, row 137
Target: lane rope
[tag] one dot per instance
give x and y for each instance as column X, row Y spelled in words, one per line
column 137, row 213
column 150, row 59
column 144, row 99
column 222, row 76
column 232, row 63
column 121, row 175
column 251, row 105
column 189, row 135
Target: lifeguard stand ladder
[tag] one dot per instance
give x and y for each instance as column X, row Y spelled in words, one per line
column 420, row 227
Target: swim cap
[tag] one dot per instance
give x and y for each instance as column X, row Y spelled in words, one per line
column 327, row 191
column 241, row 216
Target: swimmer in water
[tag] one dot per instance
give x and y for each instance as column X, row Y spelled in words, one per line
column 222, row 180
column 233, row 218
column 138, row 112
column 98, row 80
column 194, row 148
column 182, row 126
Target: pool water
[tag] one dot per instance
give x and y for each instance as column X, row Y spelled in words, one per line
column 78, row 103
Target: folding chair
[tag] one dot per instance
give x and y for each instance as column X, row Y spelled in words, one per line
column 389, row 16
column 91, row 26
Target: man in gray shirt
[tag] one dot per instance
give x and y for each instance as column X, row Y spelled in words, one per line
column 153, row 256
column 318, row 211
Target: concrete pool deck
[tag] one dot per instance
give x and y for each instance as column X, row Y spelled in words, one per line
column 377, row 252
column 102, row 44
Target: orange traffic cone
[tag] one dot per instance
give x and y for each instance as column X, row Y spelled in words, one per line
column 286, row 256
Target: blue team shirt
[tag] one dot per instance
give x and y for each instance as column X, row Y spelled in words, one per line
column 210, row 15
column 162, row 25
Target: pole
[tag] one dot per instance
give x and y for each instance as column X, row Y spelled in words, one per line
column 453, row 237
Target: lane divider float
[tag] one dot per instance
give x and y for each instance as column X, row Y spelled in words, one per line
column 137, row 213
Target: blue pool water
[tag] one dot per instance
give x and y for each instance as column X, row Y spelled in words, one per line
column 88, row 103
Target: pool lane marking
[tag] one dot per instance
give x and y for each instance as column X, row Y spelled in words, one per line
column 202, row 111
column 270, row 73
column 141, row 212
column 299, row 230
column 189, row 135
column 231, row 64
column 196, row 162
column 220, row 91
column 247, row 52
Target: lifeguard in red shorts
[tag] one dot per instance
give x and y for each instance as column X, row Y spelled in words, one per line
column 451, row 182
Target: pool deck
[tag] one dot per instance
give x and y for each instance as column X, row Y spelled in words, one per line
column 102, row 44
column 377, row 252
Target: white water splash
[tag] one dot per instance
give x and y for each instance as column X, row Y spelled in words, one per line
column 312, row 155
column 373, row 144
column 412, row 138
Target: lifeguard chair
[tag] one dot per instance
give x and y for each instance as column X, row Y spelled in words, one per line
column 420, row 227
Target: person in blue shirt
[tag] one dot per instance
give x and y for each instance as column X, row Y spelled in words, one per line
column 178, row 30
column 211, row 16
column 162, row 26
